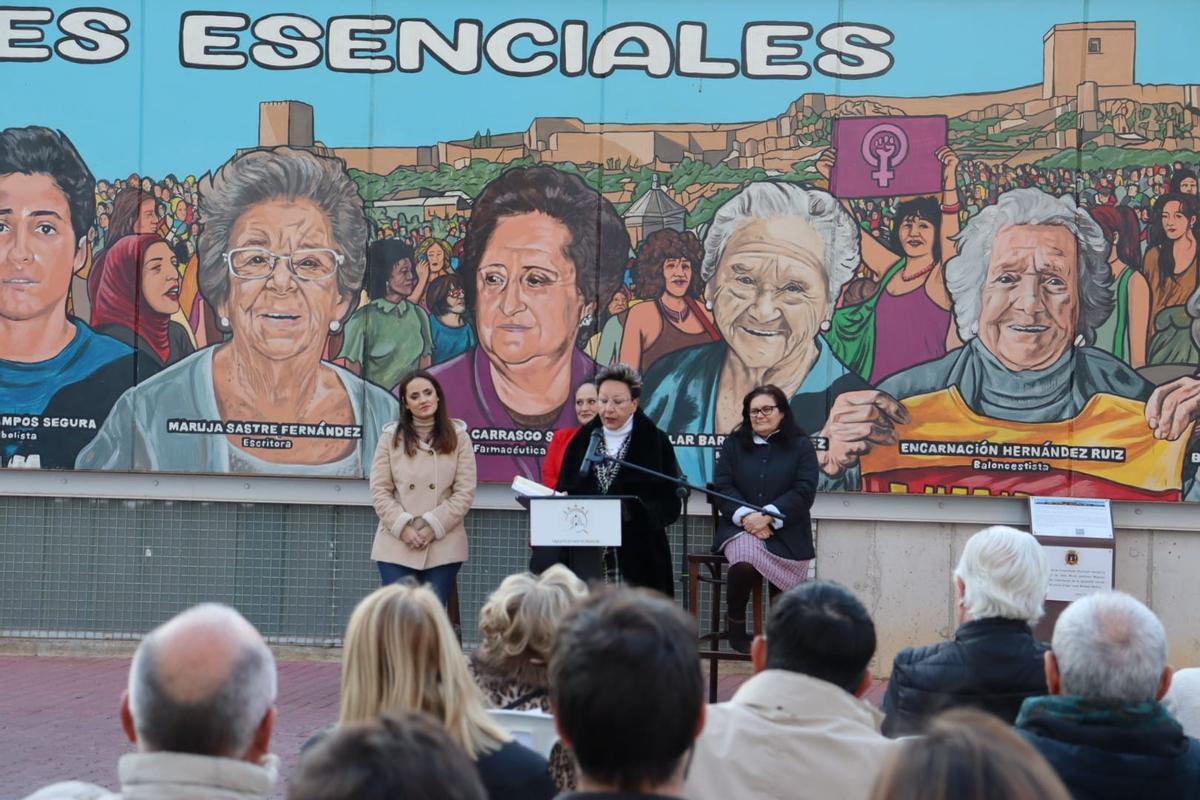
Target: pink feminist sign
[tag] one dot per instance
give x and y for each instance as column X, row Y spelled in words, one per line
column 887, row 156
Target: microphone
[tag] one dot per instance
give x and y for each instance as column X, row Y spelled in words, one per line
column 592, row 455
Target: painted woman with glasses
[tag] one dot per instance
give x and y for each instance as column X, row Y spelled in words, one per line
column 281, row 259
column 767, row 462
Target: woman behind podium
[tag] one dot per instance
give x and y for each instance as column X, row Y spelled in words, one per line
column 767, row 462
column 625, row 433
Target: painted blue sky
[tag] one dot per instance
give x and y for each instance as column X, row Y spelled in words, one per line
column 147, row 113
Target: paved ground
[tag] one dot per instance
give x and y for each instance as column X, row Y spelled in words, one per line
column 58, row 715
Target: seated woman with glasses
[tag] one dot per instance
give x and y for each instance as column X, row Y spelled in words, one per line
column 281, row 260
column 767, row 462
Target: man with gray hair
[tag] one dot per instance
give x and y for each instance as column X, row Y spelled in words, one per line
column 1004, row 413
column 200, row 708
column 1102, row 726
column 993, row 662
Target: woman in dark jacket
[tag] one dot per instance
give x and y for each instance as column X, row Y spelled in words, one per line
column 993, row 663
column 644, row 557
column 768, row 462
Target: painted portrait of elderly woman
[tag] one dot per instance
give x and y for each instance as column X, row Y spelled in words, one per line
column 541, row 250
column 775, row 258
column 1027, row 405
column 281, row 260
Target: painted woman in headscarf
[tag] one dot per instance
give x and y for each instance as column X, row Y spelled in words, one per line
column 134, row 292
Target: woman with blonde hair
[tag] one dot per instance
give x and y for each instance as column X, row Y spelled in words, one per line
column 517, row 626
column 400, row 653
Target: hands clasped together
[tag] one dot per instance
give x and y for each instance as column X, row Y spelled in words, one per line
column 758, row 524
column 417, row 534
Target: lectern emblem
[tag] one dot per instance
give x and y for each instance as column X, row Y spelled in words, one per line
column 576, row 519
column 1072, row 558
column 884, row 147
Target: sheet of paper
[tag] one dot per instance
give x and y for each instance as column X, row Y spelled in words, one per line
column 1070, row 516
column 1078, row 571
column 527, row 488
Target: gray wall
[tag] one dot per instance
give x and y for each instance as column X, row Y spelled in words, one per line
column 108, row 568
column 902, row 571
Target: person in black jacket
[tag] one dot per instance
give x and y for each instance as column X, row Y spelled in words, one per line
column 993, row 662
column 625, row 433
column 768, row 462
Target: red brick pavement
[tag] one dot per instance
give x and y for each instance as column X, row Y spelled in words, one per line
column 58, row 716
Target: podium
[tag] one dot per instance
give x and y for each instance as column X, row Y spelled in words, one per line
column 576, row 530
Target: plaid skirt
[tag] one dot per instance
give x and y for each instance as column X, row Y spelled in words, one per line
column 783, row 573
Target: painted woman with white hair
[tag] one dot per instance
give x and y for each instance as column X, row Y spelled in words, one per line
column 993, row 662
column 282, row 257
column 775, row 258
column 1027, row 404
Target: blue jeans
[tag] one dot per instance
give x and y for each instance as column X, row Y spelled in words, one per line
column 440, row 579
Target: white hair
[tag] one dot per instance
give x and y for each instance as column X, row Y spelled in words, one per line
column 771, row 200
column 1004, row 574
column 1183, row 700
column 1110, row 646
column 222, row 724
column 967, row 271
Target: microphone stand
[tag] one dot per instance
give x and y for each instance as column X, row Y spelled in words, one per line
column 683, row 490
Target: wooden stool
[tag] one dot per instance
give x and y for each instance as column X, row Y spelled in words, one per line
column 710, row 640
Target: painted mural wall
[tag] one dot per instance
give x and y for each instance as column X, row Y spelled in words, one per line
column 971, row 262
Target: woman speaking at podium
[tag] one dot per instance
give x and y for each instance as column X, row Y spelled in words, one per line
column 623, row 432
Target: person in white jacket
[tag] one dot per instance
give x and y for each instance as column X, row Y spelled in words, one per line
column 799, row 728
column 200, row 708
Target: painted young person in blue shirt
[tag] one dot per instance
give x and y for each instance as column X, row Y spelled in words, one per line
column 58, row 377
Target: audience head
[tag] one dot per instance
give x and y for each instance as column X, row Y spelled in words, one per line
column 1183, row 700
column 403, row 755
column 1002, row 573
column 1108, row 646
column 968, row 755
column 518, row 622
column 202, row 683
column 819, row 629
column 626, row 689
column 400, row 654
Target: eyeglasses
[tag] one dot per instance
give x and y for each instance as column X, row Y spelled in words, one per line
column 763, row 411
column 258, row 263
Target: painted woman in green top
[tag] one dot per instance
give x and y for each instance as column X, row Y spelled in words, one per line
column 390, row 335
column 1124, row 332
column 906, row 320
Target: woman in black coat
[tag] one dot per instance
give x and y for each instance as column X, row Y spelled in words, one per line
column 644, row 557
column 768, row 462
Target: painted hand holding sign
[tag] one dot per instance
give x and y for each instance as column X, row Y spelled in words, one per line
column 955, row 291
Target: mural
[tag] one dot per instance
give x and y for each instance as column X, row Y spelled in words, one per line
column 981, row 283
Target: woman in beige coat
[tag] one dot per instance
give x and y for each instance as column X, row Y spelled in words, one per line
column 422, row 485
